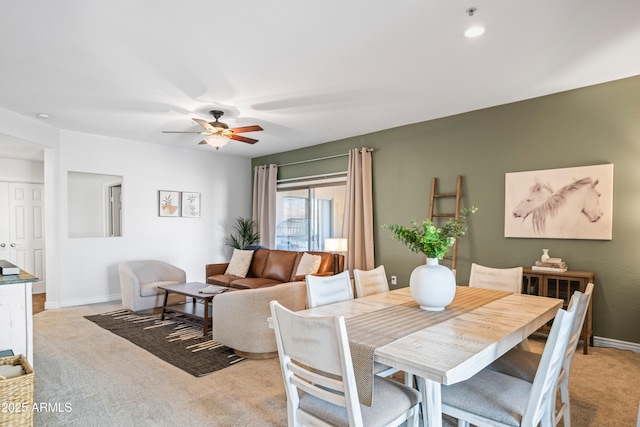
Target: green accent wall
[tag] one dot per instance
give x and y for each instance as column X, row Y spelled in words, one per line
column 589, row 126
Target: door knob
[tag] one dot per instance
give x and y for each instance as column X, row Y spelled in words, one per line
column 2, row 245
column 13, row 245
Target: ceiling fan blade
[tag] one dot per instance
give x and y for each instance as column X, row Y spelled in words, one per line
column 253, row 128
column 202, row 142
column 179, row 131
column 205, row 124
column 243, row 139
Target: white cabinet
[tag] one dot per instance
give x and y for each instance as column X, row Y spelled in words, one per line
column 16, row 314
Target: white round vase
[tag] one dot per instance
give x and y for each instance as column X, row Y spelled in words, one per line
column 433, row 286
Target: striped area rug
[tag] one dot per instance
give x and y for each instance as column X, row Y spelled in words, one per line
column 176, row 342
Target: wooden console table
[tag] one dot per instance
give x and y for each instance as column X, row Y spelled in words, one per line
column 562, row 285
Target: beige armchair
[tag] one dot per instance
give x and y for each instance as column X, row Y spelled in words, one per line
column 139, row 281
column 240, row 317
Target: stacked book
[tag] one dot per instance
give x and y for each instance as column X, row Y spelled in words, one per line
column 551, row 264
column 7, row 269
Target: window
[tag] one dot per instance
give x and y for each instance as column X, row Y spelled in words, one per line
column 308, row 213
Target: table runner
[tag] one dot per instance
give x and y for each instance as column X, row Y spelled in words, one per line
column 368, row 331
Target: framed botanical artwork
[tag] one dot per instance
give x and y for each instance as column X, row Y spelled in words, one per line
column 567, row 203
column 168, row 203
column 190, row 205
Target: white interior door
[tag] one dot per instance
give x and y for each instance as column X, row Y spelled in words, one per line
column 26, row 230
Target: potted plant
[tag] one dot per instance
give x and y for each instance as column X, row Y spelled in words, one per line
column 432, row 285
column 246, row 234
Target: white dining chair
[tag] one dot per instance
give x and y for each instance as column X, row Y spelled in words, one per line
column 370, row 282
column 501, row 279
column 323, row 290
column 319, row 378
column 491, row 398
column 523, row 364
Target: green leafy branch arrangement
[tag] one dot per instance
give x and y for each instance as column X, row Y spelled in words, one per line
column 428, row 239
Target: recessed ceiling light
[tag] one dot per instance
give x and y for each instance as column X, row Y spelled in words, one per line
column 43, row 116
column 474, row 31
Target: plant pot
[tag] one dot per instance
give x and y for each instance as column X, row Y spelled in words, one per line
column 433, row 286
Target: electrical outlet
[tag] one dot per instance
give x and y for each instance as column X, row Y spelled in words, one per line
column 394, row 280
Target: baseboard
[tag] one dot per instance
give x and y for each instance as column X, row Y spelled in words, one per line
column 620, row 345
column 72, row 303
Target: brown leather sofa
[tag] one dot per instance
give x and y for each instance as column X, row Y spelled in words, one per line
column 240, row 318
column 270, row 267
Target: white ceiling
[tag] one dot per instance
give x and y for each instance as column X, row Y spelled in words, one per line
column 307, row 72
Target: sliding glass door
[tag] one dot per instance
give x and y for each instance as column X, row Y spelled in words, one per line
column 307, row 215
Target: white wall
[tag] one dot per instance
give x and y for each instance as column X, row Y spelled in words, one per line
column 88, row 267
column 21, row 170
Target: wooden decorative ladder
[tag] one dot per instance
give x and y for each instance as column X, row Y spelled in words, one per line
column 453, row 253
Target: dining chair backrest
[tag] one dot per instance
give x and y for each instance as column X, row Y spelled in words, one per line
column 369, row 282
column 323, row 290
column 543, row 389
column 319, row 377
column 501, row 279
column 581, row 301
column 321, row 367
column 523, row 364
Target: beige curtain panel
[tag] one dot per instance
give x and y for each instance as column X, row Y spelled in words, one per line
column 358, row 212
column 264, row 203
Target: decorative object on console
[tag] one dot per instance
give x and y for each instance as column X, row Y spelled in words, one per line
column 335, row 246
column 545, row 255
column 433, row 286
column 548, row 263
column 190, row 205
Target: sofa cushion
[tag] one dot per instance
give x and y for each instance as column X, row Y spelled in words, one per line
column 221, row 279
column 253, row 283
column 257, row 264
column 239, row 264
column 151, row 288
column 309, row 264
column 279, row 265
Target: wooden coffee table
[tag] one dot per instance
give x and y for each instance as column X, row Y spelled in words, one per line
column 198, row 309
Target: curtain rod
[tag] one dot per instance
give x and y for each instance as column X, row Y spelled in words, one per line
column 319, row 158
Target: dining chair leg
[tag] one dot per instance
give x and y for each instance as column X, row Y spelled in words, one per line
column 564, row 399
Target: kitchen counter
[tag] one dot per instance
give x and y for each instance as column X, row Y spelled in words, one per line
column 16, row 314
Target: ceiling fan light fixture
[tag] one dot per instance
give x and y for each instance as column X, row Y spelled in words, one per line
column 216, row 141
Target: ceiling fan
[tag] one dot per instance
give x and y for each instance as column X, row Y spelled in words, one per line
column 218, row 133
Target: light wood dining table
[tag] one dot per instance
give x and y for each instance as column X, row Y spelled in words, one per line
column 439, row 348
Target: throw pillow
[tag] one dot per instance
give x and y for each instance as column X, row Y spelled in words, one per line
column 239, row 264
column 309, row 264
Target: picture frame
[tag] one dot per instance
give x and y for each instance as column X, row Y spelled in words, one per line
column 168, row 203
column 565, row 203
column 190, row 204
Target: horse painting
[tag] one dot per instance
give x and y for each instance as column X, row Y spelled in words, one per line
column 538, row 194
column 563, row 203
column 559, row 213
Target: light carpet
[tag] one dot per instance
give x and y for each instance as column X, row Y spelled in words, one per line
column 107, row 381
